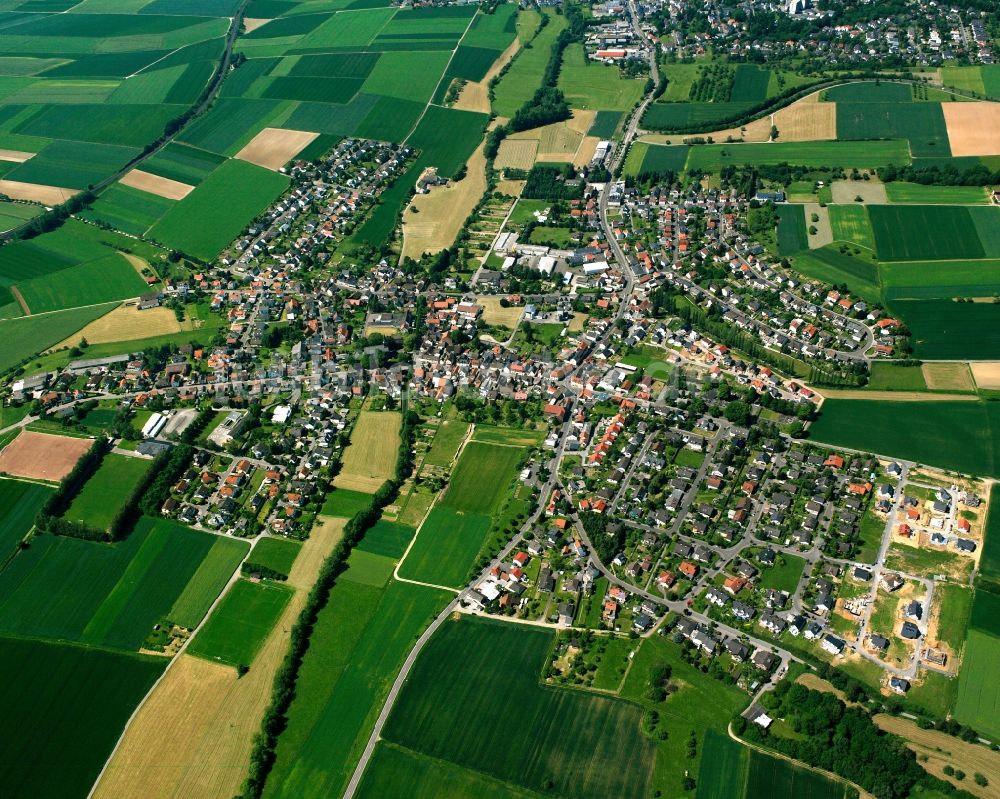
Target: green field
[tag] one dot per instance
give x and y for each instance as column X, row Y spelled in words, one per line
column 73, row 165
column 783, row 576
column 772, row 778
column 28, row 335
column 230, row 197
column 458, row 681
column 446, row 547
column 386, row 538
column 275, row 553
column 951, row 435
column 850, row 224
column 208, row 580
column 680, row 115
column 102, row 594
column 978, row 702
column 467, row 491
column 920, row 123
column 832, row 266
column 525, row 74
column 109, row 278
column 944, row 330
column 369, row 568
column 727, row 777
column 928, row 280
column 128, row 210
column 870, row 92
column 989, row 561
column 924, row 232
column 360, row 640
column 63, row 709
column 345, row 503
column 238, row 626
column 918, row 194
column 396, row 771
column 892, row 377
column 102, row 496
column 588, row 84
column 793, row 236
column 183, row 163
column 447, row 438
column 874, row 154
column 19, row 502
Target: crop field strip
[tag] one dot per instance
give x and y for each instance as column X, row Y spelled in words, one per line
column 978, row 690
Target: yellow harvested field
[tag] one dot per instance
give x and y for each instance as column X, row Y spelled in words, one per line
column 896, row 396
column 987, row 374
column 154, row 184
column 942, row 749
column 17, row 156
column 251, row 24
column 128, row 323
column 495, row 314
column 370, row 459
column 581, row 121
column 577, row 323
column 40, row 456
column 475, row 96
column 194, row 734
column 272, row 148
column 585, row 153
column 512, row 188
column 36, row 193
column 870, row 191
column 807, row 120
column 948, row 376
column 972, row 128
column 432, row 220
column 516, row 153
column 559, row 142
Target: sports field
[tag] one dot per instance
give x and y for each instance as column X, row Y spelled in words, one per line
column 62, row 709
column 370, row 459
column 978, row 702
column 241, row 622
column 104, row 493
column 458, row 681
column 926, row 432
column 19, row 502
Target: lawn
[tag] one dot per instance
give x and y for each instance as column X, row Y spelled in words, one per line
column 924, row 232
column 102, row 594
column 344, row 502
column 102, row 496
column 468, row 492
column 690, row 458
column 361, row 638
column 396, row 771
column 588, row 84
column 64, row 708
column 275, row 553
column 918, row 194
column 784, row 575
column 229, row 198
column 951, row 435
column 240, row 623
column 458, row 681
column 19, row 502
column 872, row 154
column 446, row 547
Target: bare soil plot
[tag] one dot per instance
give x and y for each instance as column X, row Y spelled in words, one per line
column 759, row 130
column 36, row 193
column 987, row 374
column 494, row 314
column 824, row 230
column 433, row 220
column 128, row 323
column 942, row 749
column 41, row 456
column 871, row 191
column 272, row 148
column 370, row 459
column 194, row 734
column 948, row 376
column 251, row 24
column 577, row 323
column 972, row 128
column 517, row 153
column 17, row 156
column 154, row 184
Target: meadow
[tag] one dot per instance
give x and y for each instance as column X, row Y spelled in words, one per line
column 893, row 377
column 832, row 266
column 458, row 681
column 370, row 458
column 793, row 236
column 107, row 595
column 109, row 278
column 447, row 438
column 359, row 642
column 518, row 85
column 58, row 734
column 918, row 194
column 344, row 502
column 978, row 702
column 240, row 623
column 19, row 502
column 951, row 435
column 231, row 197
column 207, row 581
column 106, row 491
column 25, row 336
column 850, row 223
column 588, row 84
column 467, row 492
column 386, row 538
